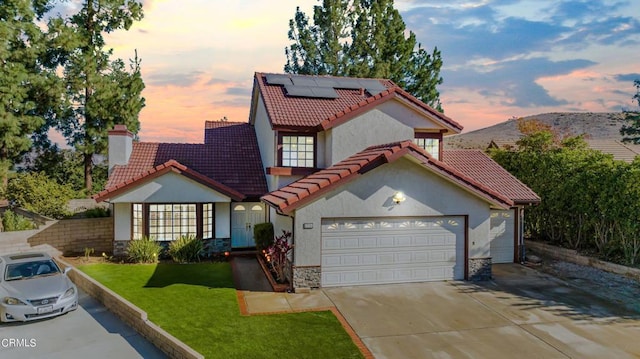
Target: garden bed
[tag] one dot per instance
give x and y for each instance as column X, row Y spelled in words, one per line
column 277, row 287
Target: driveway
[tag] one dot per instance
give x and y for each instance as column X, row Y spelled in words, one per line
column 91, row 331
column 521, row 313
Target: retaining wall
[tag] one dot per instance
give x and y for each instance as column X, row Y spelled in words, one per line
column 132, row 315
column 572, row 256
column 74, row 235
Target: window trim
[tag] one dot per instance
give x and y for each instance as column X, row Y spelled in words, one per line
column 433, row 135
column 298, row 134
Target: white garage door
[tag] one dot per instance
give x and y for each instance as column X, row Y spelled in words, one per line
column 502, row 236
column 392, row 250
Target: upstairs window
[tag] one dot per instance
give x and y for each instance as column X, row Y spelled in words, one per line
column 297, row 151
column 430, row 142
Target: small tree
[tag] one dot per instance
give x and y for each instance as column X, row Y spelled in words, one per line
column 263, row 235
column 38, row 193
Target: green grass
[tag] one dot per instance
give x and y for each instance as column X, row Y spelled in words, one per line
column 197, row 303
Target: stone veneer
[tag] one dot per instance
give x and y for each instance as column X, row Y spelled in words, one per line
column 479, row 269
column 306, row 277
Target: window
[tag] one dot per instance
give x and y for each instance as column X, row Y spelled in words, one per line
column 136, row 219
column 430, row 142
column 298, row 151
column 167, row 222
column 207, row 220
column 170, row 221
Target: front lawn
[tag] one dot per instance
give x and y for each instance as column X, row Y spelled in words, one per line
column 197, row 303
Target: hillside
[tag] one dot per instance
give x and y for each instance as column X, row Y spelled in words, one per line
column 596, row 126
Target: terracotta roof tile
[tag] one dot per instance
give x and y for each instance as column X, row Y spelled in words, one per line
column 230, row 156
column 297, row 193
column 480, row 167
column 322, row 113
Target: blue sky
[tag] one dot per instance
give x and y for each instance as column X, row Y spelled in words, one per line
column 501, row 58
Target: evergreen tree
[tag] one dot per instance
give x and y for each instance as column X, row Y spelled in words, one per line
column 631, row 130
column 28, row 88
column 100, row 93
column 363, row 38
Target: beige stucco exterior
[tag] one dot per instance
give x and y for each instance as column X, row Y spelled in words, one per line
column 371, row 196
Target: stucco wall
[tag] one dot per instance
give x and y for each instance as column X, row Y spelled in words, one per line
column 371, row 196
column 223, row 220
column 74, row 235
column 266, row 140
column 371, row 128
column 164, row 190
column 408, row 115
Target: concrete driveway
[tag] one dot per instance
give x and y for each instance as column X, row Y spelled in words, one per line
column 91, row 331
column 521, row 313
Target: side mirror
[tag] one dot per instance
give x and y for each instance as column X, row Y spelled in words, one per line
column 66, row 270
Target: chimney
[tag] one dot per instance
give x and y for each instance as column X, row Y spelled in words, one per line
column 120, row 146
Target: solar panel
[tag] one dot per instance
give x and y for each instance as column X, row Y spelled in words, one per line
column 304, row 81
column 315, row 92
column 326, row 82
column 351, row 84
column 277, row 79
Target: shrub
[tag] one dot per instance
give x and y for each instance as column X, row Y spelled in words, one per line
column 97, row 212
column 144, row 250
column 38, row 193
column 186, row 249
column 278, row 256
column 15, row 222
column 263, row 235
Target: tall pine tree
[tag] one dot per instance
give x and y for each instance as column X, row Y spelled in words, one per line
column 631, row 130
column 100, row 93
column 28, row 88
column 363, row 38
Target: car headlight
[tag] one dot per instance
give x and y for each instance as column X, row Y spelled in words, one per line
column 12, row 301
column 71, row 291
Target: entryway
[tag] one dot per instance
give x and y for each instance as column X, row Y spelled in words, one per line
column 244, row 216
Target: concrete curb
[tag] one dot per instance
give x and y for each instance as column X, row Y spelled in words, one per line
column 132, row 315
column 572, row 256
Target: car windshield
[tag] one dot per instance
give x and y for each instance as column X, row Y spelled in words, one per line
column 28, row 270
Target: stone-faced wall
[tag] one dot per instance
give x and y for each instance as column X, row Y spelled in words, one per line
column 479, row 269
column 72, row 236
column 306, row 277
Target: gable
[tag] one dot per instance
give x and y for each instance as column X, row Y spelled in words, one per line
column 169, row 187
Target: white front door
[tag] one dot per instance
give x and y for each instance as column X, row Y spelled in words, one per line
column 503, row 236
column 392, row 250
column 244, row 216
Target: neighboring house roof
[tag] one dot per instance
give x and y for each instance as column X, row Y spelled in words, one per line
column 303, row 191
column 477, row 165
column 318, row 114
column 230, row 156
column 619, row 150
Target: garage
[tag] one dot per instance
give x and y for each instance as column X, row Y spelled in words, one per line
column 392, row 250
column 503, row 236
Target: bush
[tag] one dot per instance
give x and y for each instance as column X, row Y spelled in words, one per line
column 144, row 250
column 263, row 235
column 186, row 249
column 15, row 222
column 38, row 193
column 278, row 256
column 97, row 212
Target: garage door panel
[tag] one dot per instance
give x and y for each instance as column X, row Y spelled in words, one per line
column 385, row 275
column 502, row 236
column 384, row 258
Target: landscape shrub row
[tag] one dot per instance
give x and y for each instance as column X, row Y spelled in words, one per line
column 590, row 201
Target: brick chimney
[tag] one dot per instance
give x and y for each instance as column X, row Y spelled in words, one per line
column 120, row 146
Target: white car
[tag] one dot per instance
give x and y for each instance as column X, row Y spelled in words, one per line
column 32, row 286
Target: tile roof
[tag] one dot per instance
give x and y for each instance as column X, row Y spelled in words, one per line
column 323, row 113
column 298, row 193
column 480, row 167
column 619, row 150
column 229, row 156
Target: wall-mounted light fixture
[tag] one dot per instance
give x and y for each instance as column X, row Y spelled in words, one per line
column 399, row 197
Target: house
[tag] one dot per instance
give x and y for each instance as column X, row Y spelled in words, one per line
column 354, row 168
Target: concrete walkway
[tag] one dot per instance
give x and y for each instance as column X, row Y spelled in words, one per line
column 521, row 313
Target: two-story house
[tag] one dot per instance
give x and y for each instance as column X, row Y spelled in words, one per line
column 354, row 168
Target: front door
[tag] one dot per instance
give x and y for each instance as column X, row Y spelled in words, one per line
column 244, row 216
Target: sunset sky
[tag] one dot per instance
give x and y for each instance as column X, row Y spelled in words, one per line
column 502, row 58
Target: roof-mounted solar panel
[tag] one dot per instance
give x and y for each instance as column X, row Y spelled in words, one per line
column 277, row 79
column 304, row 81
column 313, row 92
column 346, row 83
